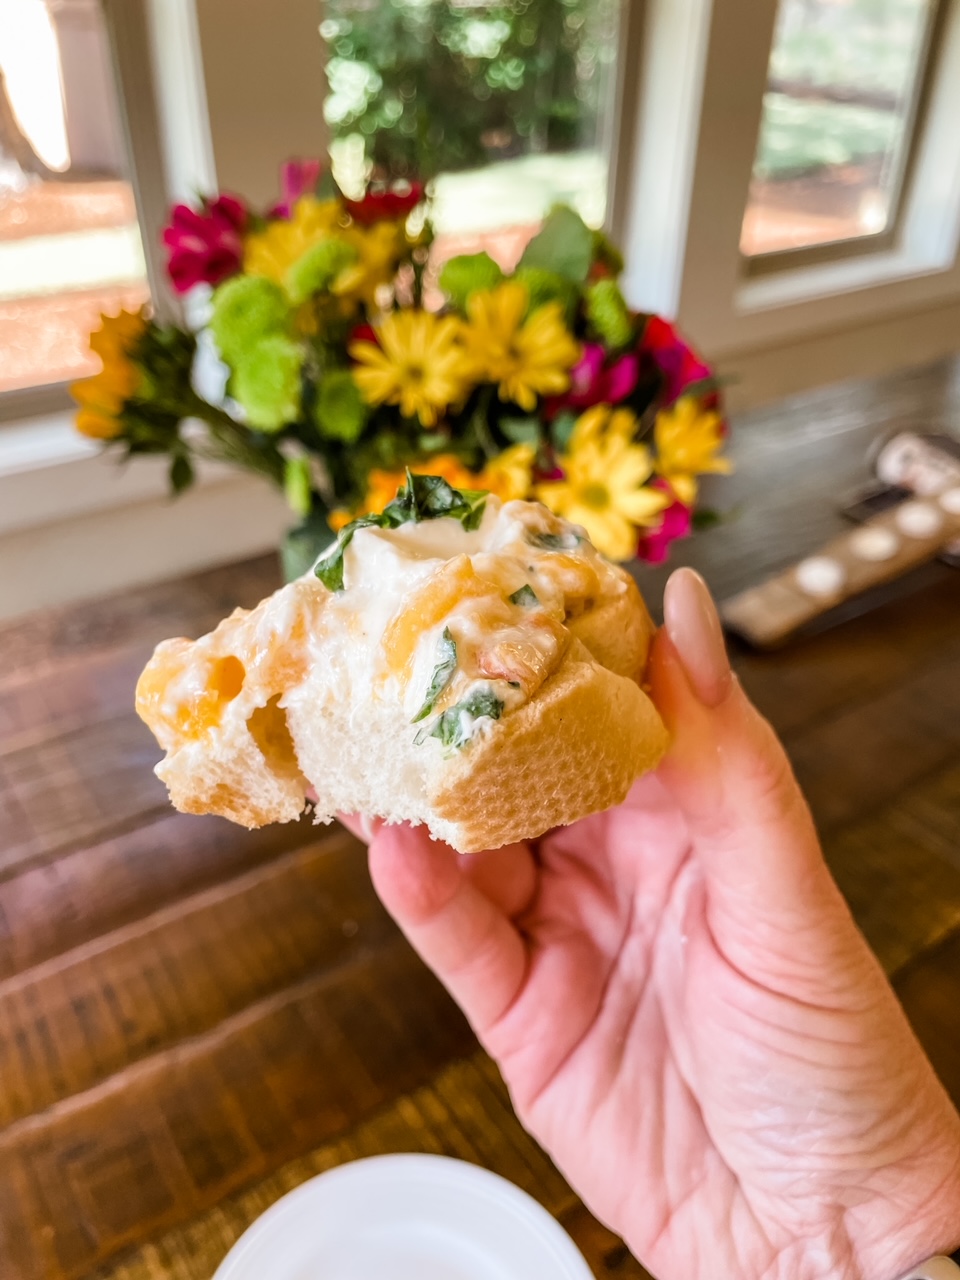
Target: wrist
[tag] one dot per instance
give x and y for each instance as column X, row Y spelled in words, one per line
column 934, row 1232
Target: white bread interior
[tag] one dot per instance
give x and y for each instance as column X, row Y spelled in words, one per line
column 304, row 716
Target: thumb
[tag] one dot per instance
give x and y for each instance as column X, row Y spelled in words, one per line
column 749, row 823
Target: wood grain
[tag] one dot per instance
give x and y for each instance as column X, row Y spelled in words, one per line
column 194, row 1018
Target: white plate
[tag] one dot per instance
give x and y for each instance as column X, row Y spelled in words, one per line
column 405, row 1217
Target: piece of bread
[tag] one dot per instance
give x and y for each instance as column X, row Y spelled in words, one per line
column 486, row 681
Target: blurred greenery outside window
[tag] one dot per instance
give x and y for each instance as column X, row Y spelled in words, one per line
column 844, row 81
column 504, row 107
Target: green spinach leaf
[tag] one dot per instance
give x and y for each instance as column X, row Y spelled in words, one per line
column 449, row 726
column 525, row 596
column 446, row 665
column 421, row 498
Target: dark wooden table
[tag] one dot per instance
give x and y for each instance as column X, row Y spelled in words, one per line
column 193, row 1019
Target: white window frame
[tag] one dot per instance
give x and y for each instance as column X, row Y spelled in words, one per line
column 684, row 188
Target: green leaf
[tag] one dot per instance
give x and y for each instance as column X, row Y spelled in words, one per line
column 525, row 596
column 454, row 726
column 547, row 286
column 561, row 429
column 466, row 274
column 431, row 497
column 563, row 245
column 181, row 473
column 297, row 485
column 442, row 673
column 340, row 411
column 521, row 430
column 329, row 568
column 555, row 541
column 421, row 498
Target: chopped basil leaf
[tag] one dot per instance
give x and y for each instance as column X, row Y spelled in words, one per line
column 446, row 665
column 525, row 596
column 421, row 498
column 449, row 726
column 555, row 541
column 329, row 568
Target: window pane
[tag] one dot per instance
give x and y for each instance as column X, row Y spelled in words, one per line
column 506, row 105
column 843, row 83
column 69, row 241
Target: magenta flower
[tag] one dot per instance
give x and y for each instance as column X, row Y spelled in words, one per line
column 676, row 522
column 205, row 246
column 593, row 381
column 679, row 366
column 297, row 178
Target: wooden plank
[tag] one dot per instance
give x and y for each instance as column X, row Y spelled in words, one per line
column 84, row 1015
column 904, row 894
column 436, row 1118
column 165, row 1141
column 54, row 907
column 851, row 764
column 78, row 789
column 75, row 693
column 933, row 810
column 42, row 641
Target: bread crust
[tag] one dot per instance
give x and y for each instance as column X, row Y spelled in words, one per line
column 265, row 706
column 575, row 749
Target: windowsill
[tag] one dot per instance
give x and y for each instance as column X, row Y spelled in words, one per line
column 826, row 279
column 49, row 473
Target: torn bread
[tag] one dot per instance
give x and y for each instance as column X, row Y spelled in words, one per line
column 481, row 675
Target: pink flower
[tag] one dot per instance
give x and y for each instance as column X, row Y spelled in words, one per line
column 676, row 522
column 205, row 246
column 679, row 366
column 297, row 178
column 593, row 381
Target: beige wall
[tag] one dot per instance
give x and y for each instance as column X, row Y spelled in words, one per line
column 263, row 65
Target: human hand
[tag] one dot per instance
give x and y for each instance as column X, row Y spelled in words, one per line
column 684, row 1011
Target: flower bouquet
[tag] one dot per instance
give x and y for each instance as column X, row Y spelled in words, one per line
column 330, row 352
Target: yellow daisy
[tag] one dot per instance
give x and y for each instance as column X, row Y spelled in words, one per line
column 604, row 487
column 379, row 249
column 509, row 474
column 418, row 364
column 688, row 438
column 273, row 251
column 102, row 397
column 527, row 355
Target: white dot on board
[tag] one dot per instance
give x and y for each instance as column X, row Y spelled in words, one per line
column 918, row 519
column 950, row 500
column 874, row 543
column 820, row 576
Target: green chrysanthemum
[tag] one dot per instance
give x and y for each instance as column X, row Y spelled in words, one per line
column 608, row 314
column 245, row 310
column 266, row 382
column 317, row 269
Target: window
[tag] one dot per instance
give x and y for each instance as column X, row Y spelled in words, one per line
column 508, row 101
column 843, row 85
column 70, row 243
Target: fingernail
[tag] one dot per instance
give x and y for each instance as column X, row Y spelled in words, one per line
column 694, row 628
column 368, row 827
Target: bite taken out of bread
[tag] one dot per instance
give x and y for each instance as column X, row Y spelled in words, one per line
column 473, row 666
